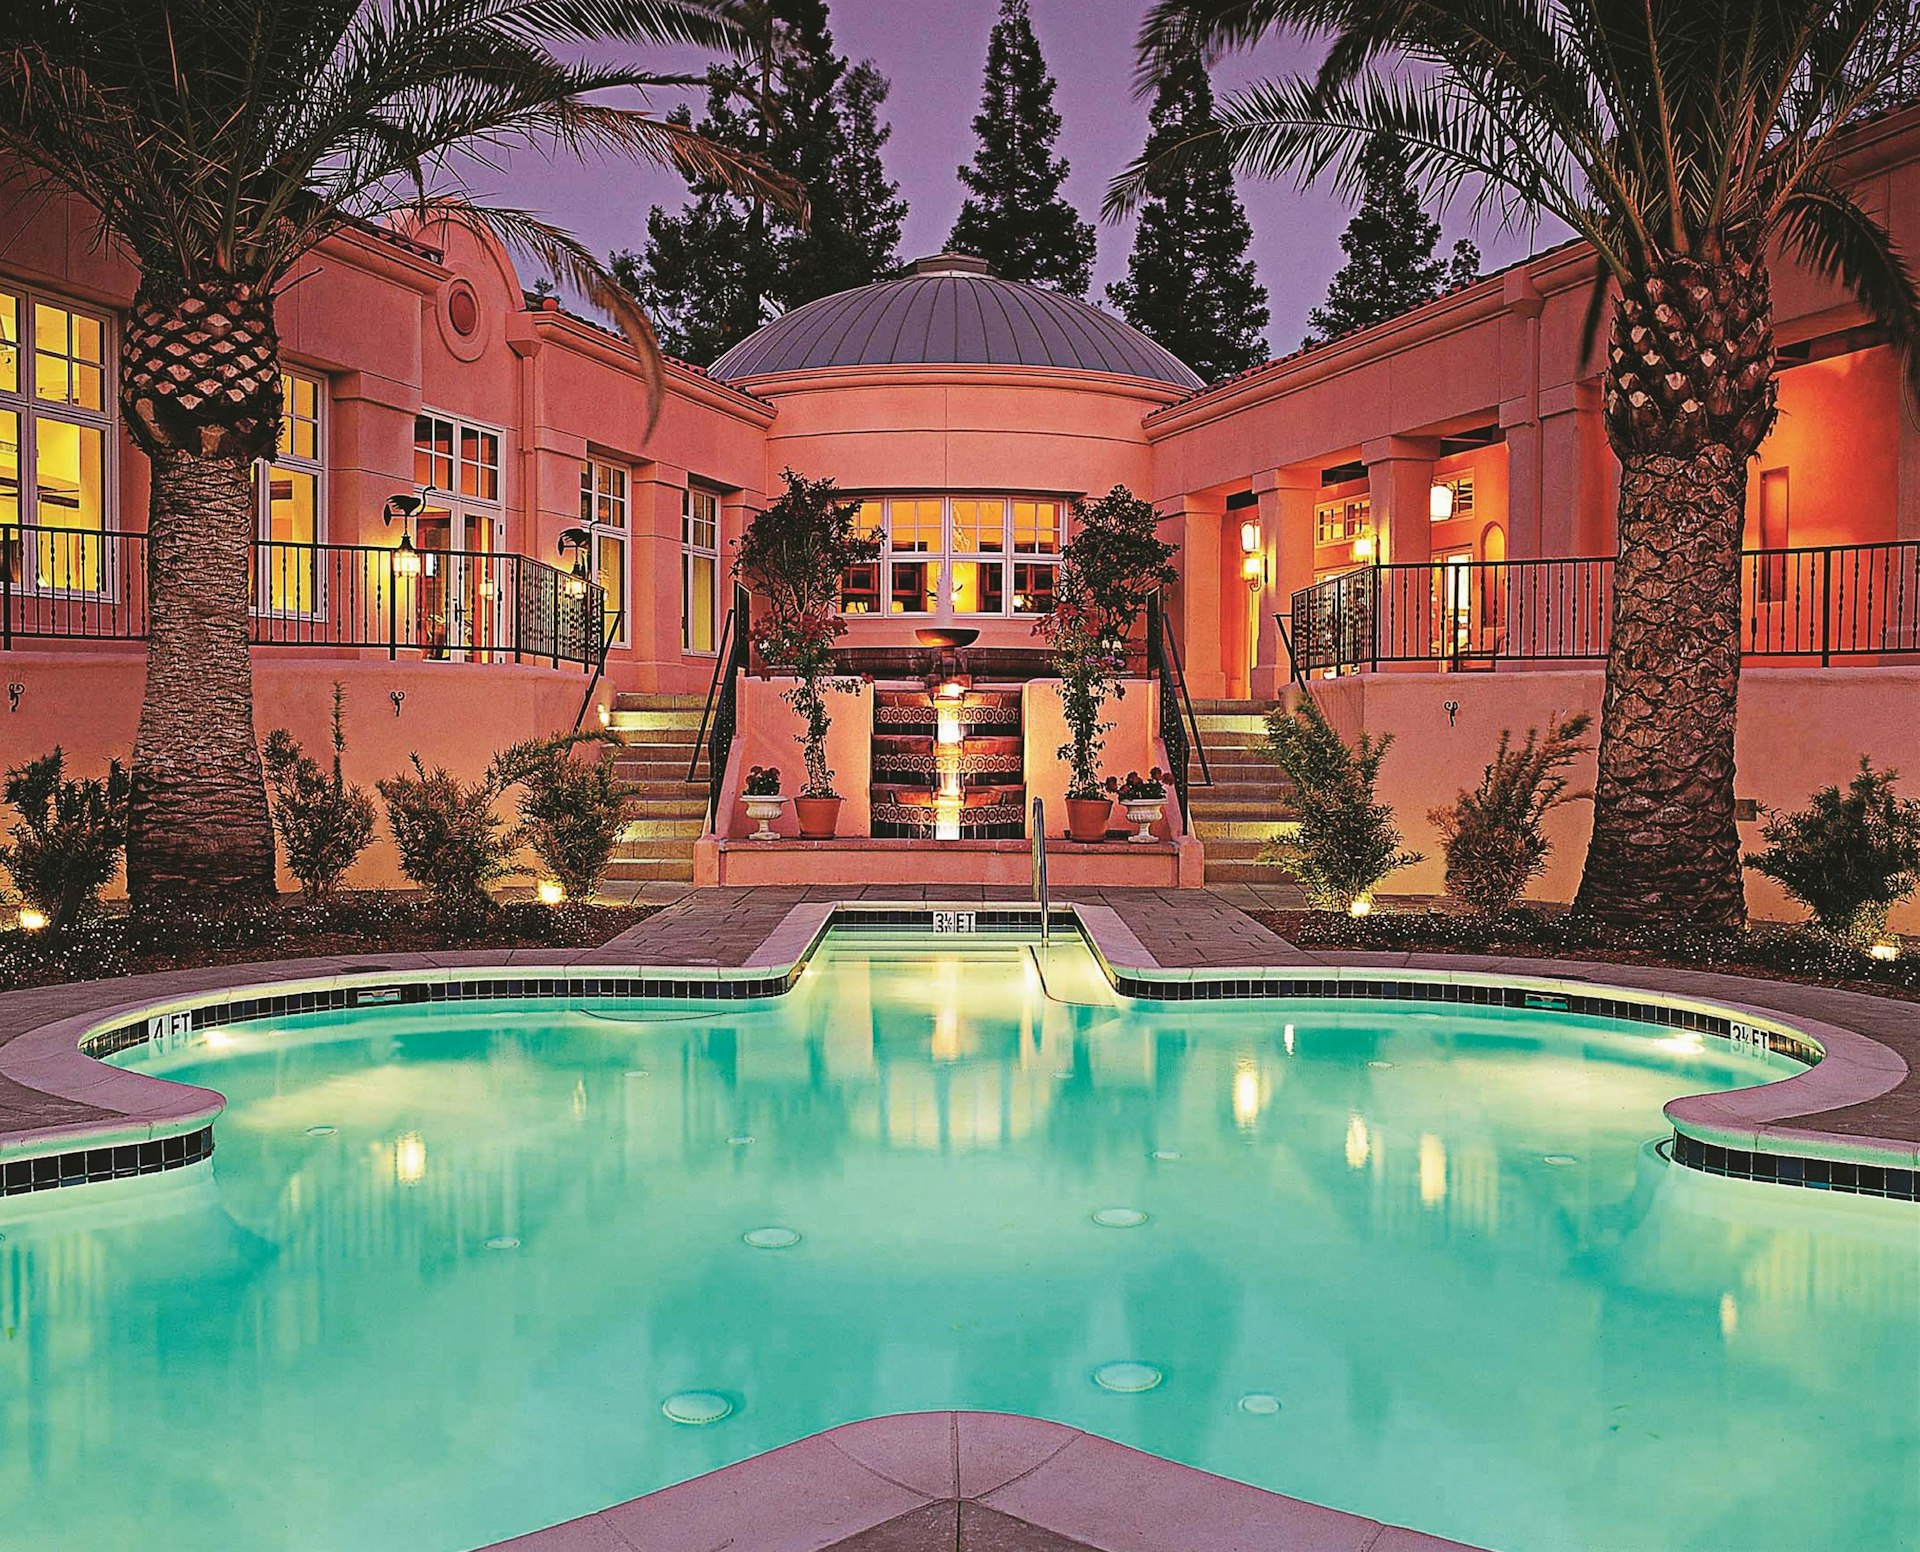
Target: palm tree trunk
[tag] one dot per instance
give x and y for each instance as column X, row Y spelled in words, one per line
column 1664, row 847
column 1689, row 396
column 198, row 827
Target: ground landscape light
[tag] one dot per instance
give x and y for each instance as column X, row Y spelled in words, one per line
column 32, row 919
column 1883, row 948
column 550, row 891
column 1361, row 905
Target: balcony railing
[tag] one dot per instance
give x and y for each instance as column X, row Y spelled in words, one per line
column 60, row 584
column 1851, row 602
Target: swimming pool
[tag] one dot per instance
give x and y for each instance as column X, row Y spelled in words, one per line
column 454, row 1271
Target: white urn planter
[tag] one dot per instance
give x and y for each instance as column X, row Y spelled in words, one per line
column 1144, row 812
column 764, row 810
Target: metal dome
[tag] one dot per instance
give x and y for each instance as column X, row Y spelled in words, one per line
column 951, row 310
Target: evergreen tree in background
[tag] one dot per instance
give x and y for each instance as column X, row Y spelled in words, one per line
column 714, row 273
column 1189, row 284
column 1014, row 216
column 1389, row 244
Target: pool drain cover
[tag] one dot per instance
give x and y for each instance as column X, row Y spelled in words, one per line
column 1129, row 1379
column 504, row 1242
column 742, row 1140
column 1259, row 1404
column 772, row 1238
column 322, row 1131
column 697, row 1408
column 1166, row 1155
column 1119, row 1217
column 1561, row 1158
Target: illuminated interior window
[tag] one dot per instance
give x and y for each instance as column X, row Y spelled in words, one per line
column 56, row 445
column 958, row 555
column 291, row 491
column 458, row 602
column 603, row 513
column 700, row 568
column 1338, row 522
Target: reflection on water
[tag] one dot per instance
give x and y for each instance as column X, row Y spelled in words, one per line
column 447, row 1268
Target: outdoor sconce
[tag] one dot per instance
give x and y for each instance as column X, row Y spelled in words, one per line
column 1253, row 564
column 14, row 691
column 397, row 697
column 404, row 508
column 576, row 540
column 1363, row 548
column 1440, row 502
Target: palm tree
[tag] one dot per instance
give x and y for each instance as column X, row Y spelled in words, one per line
column 1683, row 139
column 219, row 141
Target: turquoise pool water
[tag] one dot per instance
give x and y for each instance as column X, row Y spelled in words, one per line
column 447, row 1268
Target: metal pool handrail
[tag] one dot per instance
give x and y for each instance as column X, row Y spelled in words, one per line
column 1040, row 867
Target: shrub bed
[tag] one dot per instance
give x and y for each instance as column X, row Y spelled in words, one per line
column 1784, row 953
column 358, row 923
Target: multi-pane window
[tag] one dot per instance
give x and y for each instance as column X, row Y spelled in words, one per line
column 958, row 555
column 459, row 598
column 56, row 427
column 1335, row 522
column 290, row 498
column 603, row 513
column 699, row 568
column 456, row 459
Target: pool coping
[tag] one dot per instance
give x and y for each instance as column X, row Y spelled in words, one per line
column 941, row 1481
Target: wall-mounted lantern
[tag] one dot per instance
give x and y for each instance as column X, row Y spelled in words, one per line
column 1440, row 502
column 404, row 508
column 577, row 540
column 1253, row 563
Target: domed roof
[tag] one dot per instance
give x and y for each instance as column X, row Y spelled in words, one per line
column 951, row 310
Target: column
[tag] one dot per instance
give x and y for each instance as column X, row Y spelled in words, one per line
column 1907, row 512
column 1400, row 485
column 1286, row 502
column 1202, row 621
column 658, row 491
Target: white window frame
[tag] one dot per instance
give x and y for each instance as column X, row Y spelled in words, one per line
column 598, row 532
column 316, row 466
column 459, row 508
column 946, row 556
column 29, row 409
column 690, row 550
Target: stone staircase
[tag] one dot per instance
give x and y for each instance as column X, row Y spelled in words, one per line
column 664, row 818
column 1248, row 800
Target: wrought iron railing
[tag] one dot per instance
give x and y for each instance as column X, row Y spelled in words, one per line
column 720, row 716
column 1852, row 602
column 76, row 584
column 1179, row 727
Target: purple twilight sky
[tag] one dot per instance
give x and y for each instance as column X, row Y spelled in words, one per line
column 934, row 54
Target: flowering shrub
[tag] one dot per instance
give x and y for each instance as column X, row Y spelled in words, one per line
column 1140, row 789
column 1346, row 841
column 763, row 781
column 1109, row 570
column 571, row 811
column 324, row 822
column 792, row 557
column 66, row 842
column 1848, row 856
column 1492, row 835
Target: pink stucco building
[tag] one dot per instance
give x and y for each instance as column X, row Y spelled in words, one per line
column 1413, row 519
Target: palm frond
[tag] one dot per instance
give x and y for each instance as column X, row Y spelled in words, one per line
column 1834, row 236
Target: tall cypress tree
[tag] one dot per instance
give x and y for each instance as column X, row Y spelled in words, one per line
column 1189, row 282
column 1391, row 267
column 1015, row 216
column 714, row 273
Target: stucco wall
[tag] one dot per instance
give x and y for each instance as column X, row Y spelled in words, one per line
column 456, row 715
column 1800, row 729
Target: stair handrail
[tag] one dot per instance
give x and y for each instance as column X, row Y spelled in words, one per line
column 715, row 737
column 1179, row 727
column 600, row 666
column 1040, row 869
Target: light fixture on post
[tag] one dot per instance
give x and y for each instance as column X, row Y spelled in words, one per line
column 1253, row 563
column 1440, row 502
column 404, row 508
column 578, row 540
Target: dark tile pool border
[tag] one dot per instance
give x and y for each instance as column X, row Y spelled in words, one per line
column 1710, row 1148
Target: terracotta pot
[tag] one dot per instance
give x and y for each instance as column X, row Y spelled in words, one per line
column 1087, row 818
column 818, row 817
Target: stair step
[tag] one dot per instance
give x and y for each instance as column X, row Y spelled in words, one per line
column 1237, row 792
column 1252, row 811
column 640, row 870
column 648, row 806
column 1227, row 871
column 653, row 700
column 1253, row 830
column 652, row 829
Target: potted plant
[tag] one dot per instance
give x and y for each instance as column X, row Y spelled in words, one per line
column 1144, row 798
column 1109, row 569
column 792, row 556
column 763, row 800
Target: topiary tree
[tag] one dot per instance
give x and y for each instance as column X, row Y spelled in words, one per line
column 792, row 557
column 1493, row 836
column 1110, row 568
column 1847, row 856
column 324, row 821
column 66, row 842
column 1345, row 841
